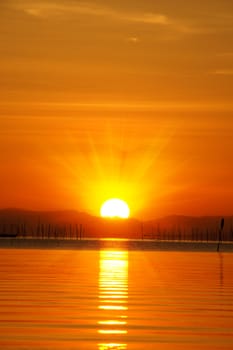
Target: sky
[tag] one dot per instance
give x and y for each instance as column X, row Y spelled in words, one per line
column 126, row 99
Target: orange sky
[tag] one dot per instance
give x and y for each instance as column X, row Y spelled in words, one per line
column 121, row 99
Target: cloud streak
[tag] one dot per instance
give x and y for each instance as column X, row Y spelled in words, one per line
column 175, row 27
column 55, row 9
column 228, row 72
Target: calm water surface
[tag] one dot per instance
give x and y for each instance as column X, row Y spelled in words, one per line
column 56, row 299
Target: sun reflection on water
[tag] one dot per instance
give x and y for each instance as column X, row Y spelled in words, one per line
column 113, row 299
column 112, row 346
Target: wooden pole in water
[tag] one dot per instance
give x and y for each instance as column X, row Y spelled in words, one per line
column 220, row 233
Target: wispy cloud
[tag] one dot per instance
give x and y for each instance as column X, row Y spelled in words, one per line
column 199, row 24
column 65, row 9
column 144, row 106
column 133, row 39
column 149, row 18
column 228, row 54
column 223, row 72
column 53, row 9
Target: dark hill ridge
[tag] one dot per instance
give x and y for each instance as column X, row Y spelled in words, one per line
column 64, row 223
column 74, row 224
column 189, row 227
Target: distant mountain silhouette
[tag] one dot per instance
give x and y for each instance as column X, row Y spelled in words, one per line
column 64, row 222
column 74, row 224
column 191, row 227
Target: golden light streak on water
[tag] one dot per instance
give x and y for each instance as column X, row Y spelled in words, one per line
column 49, row 300
column 113, row 296
column 112, row 307
column 112, row 331
column 112, row 346
column 110, row 322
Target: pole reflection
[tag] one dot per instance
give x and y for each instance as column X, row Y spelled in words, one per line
column 113, row 299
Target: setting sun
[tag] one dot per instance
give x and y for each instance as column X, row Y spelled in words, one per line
column 115, row 208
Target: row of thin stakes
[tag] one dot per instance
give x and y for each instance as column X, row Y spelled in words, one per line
column 78, row 231
column 23, row 230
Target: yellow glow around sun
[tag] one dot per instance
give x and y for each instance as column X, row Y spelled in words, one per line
column 115, row 208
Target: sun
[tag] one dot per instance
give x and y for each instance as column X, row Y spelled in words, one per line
column 115, row 208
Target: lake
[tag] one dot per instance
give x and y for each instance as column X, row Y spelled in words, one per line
column 115, row 299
